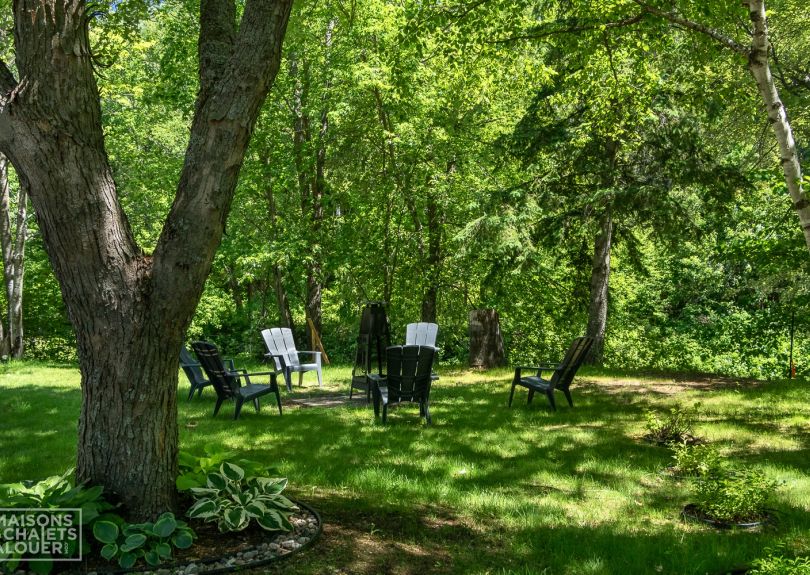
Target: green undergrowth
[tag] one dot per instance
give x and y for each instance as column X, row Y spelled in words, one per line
column 485, row 489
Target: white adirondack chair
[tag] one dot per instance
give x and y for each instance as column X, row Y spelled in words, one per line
column 281, row 347
column 421, row 333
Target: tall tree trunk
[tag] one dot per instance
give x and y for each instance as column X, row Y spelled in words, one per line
column 282, row 301
column 5, row 345
column 777, row 115
column 759, row 66
column 130, row 311
column 433, row 271
column 600, row 276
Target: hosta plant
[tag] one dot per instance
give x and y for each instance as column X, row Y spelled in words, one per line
column 233, row 500
column 55, row 492
column 128, row 542
column 194, row 469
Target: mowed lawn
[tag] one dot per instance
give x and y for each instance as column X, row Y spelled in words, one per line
column 485, row 489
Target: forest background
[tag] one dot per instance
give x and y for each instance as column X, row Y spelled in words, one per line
column 445, row 157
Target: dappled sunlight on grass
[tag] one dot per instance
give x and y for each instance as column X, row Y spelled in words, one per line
column 494, row 488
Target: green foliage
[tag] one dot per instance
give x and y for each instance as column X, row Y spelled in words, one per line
column 233, row 500
column 153, row 542
column 736, row 496
column 55, row 492
column 194, row 469
column 673, row 427
column 778, row 562
column 696, row 459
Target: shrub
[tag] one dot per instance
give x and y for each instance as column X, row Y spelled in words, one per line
column 232, row 500
column 735, row 496
column 696, row 459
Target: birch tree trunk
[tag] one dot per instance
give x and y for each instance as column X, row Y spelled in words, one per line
column 758, row 63
column 129, row 310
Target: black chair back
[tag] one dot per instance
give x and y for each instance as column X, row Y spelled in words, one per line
column 191, row 368
column 225, row 384
column 576, row 354
column 409, row 372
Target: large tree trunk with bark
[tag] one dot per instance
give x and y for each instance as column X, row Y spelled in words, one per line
column 600, row 281
column 130, row 311
column 486, row 342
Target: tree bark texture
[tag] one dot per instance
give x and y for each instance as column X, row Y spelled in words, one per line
column 486, row 343
column 600, row 281
column 130, row 311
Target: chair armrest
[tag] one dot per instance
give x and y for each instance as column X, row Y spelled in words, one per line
column 315, row 354
column 377, row 378
column 229, row 362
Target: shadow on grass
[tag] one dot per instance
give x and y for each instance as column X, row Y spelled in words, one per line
column 486, row 489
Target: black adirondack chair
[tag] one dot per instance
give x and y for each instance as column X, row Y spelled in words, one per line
column 561, row 377
column 191, row 367
column 228, row 382
column 408, row 379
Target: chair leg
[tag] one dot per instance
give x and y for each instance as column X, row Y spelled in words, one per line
column 191, row 393
column 300, row 379
column 568, row 397
column 377, row 399
column 512, row 394
column 288, row 379
column 239, row 402
column 256, row 404
column 320, row 377
column 278, row 400
column 217, row 406
column 531, row 396
column 550, row 395
column 385, row 412
column 427, row 413
column 199, row 392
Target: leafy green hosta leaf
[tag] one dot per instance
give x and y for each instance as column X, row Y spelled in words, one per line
column 204, row 509
column 183, row 539
column 127, row 560
column 270, row 485
column 187, row 481
column 233, row 489
column 165, row 525
column 232, row 472
column 216, row 481
column 133, row 542
column 205, row 492
column 105, row 531
column 109, row 551
column 270, row 522
column 283, row 503
column 152, row 557
column 164, row 550
column 256, row 508
column 235, row 519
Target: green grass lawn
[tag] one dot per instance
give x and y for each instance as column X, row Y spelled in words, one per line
column 485, row 489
